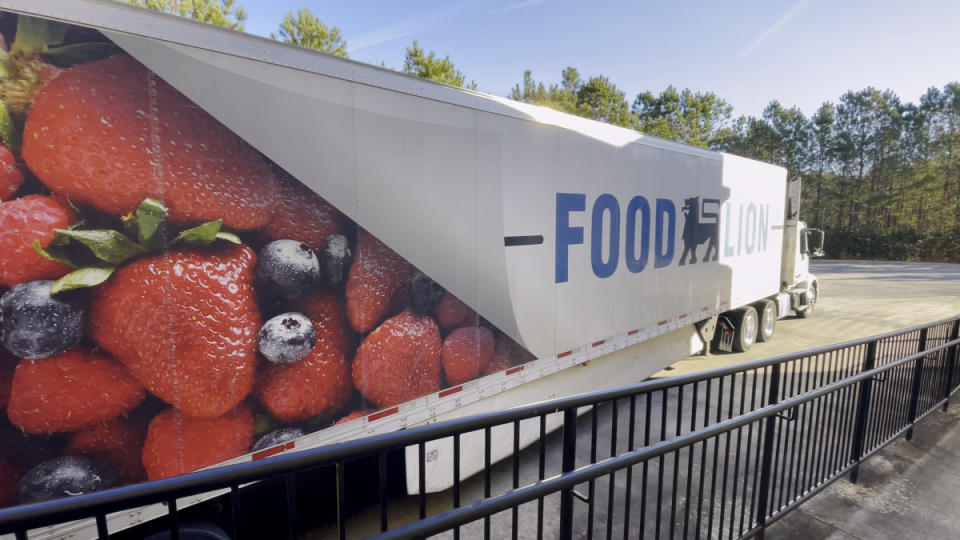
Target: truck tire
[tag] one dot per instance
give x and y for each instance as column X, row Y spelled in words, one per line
column 812, row 296
column 747, row 325
column 768, row 319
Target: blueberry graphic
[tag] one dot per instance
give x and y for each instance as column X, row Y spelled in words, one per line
column 423, row 294
column 288, row 268
column 63, row 477
column 36, row 324
column 287, row 338
column 335, row 259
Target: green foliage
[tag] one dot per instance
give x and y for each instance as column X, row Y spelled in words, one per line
column 304, row 29
column 700, row 119
column 429, row 66
column 597, row 98
column 219, row 12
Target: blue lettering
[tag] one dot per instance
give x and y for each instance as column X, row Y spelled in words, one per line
column 664, row 253
column 750, row 238
column 763, row 223
column 567, row 235
column 636, row 263
column 605, row 203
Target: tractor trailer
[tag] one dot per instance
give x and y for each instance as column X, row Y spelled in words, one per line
column 208, row 233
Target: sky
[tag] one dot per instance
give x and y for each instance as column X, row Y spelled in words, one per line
column 749, row 52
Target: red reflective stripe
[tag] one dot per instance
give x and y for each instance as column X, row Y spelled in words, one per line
column 597, row 343
column 269, row 452
column 661, row 323
column 451, row 391
column 513, row 370
column 705, row 308
column 561, row 355
column 683, row 317
column 382, row 414
column 632, row 332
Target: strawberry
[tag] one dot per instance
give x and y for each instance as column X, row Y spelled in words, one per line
column 354, row 415
column 8, row 363
column 302, row 215
column 506, row 354
column 318, row 384
column 185, row 324
column 11, row 177
column 116, row 442
column 376, row 283
column 451, row 312
column 464, row 351
column 399, row 361
column 22, row 222
column 71, row 391
column 110, row 133
column 178, row 444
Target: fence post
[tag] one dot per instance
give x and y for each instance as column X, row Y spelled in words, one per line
column 773, row 397
column 567, row 465
column 951, row 363
column 917, row 377
column 863, row 410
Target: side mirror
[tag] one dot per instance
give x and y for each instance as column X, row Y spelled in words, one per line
column 815, row 239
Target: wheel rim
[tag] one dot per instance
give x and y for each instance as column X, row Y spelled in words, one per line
column 749, row 328
column 813, row 298
column 769, row 318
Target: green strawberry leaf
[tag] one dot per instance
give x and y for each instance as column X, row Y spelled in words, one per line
column 229, row 237
column 9, row 132
column 90, row 276
column 71, row 55
column 35, row 35
column 106, row 244
column 54, row 254
column 201, row 235
column 150, row 215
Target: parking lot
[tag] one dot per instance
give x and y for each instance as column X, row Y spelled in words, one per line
column 857, row 299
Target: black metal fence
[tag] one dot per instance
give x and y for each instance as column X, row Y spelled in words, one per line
column 718, row 454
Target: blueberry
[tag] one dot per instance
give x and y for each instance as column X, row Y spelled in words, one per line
column 335, row 258
column 63, row 477
column 275, row 437
column 287, row 338
column 423, row 294
column 288, row 268
column 36, row 324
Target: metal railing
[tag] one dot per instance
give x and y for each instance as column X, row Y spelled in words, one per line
column 719, row 454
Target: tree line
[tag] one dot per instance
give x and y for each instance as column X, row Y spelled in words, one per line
column 879, row 174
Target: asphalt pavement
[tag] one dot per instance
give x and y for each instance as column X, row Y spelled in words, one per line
column 857, row 299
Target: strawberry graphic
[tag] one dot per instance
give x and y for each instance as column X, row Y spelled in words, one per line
column 451, row 312
column 110, row 133
column 319, row 384
column 302, row 215
column 117, row 442
column 376, row 283
column 185, row 324
column 11, row 177
column 178, row 444
column 22, row 222
column 399, row 361
column 354, row 415
column 506, row 354
column 71, row 391
column 464, row 351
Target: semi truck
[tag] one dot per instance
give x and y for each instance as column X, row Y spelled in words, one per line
column 458, row 252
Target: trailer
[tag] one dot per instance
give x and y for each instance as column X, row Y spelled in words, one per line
column 577, row 255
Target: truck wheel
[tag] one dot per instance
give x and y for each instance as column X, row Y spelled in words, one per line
column 745, row 334
column 768, row 318
column 812, row 295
